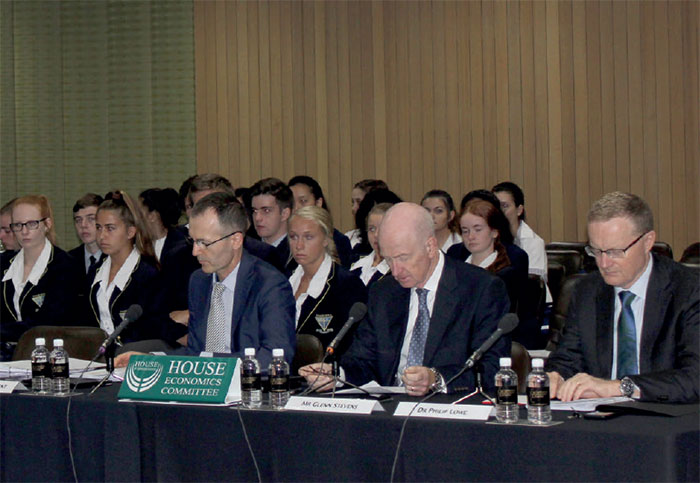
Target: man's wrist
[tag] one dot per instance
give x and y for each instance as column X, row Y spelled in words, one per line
column 439, row 383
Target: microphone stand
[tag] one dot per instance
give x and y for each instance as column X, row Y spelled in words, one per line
column 479, row 388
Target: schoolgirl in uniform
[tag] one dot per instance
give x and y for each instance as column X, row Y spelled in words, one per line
column 372, row 268
column 324, row 290
column 39, row 282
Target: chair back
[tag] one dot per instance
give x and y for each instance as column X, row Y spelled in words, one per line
column 691, row 254
column 309, row 350
column 662, row 248
column 521, row 364
column 560, row 309
column 79, row 341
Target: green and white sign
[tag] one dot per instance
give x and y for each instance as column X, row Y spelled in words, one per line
column 203, row 380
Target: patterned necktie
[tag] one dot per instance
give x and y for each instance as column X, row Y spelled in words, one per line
column 416, row 348
column 92, row 267
column 626, row 338
column 216, row 323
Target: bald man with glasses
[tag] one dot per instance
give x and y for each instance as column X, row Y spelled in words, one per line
column 632, row 327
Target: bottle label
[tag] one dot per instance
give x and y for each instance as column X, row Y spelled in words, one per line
column 250, row 381
column 507, row 395
column 41, row 369
column 59, row 370
column 279, row 384
column 538, row 396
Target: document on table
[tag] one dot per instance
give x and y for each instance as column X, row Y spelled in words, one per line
column 373, row 387
column 23, row 369
column 581, row 406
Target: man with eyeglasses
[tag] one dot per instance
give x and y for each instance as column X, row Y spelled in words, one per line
column 632, row 327
column 236, row 300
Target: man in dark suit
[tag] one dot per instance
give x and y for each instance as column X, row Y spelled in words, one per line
column 427, row 319
column 236, row 300
column 632, row 328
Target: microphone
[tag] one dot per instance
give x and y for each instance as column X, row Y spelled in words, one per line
column 132, row 314
column 357, row 313
column 507, row 323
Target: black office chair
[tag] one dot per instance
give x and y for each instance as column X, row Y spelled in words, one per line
column 560, row 264
column 691, row 255
column 309, row 350
column 558, row 317
column 521, row 364
column 531, row 305
column 662, row 248
column 79, row 342
column 587, row 263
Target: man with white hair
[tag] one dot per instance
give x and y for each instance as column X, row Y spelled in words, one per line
column 425, row 321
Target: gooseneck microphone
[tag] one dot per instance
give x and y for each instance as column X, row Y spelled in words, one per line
column 506, row 325
column 132, row 314
column 357, row 313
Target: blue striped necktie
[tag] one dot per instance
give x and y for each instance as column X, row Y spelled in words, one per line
column 416, row 347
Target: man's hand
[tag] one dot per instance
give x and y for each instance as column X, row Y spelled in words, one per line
column 417, row 380
column 318, row 376
column 585, row 386
column 555, row 382
column 122, row 360
column 180, row 316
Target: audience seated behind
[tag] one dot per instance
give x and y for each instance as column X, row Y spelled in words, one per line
column 372, row 268
column 359, row 190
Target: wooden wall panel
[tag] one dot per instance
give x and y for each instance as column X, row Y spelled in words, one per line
column 569, row 99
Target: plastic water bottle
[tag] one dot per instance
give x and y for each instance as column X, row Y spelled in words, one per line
column 279, row 379
column 506, row 392
column 538, row 409
column 251, row 390
column 41, row 370
column 59, row 368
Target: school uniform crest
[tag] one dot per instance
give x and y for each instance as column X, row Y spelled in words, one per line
column 38, row 299
column 323, row 321
column 122, row 314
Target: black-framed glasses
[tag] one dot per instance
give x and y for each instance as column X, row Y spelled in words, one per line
column 612, row 252
column 206, row 244
column 31, row 224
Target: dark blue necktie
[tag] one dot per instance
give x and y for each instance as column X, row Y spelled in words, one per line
column 416, row 347
column 626, row 338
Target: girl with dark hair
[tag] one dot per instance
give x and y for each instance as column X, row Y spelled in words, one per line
column 441, row 207
column 373, row 267
column 39, row 282
column 129, row 275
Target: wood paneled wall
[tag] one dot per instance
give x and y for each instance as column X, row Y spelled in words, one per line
column 569, row 99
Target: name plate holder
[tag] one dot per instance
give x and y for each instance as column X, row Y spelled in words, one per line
column 467, row 412
column 333, row 405
column 6, row 387
column 183, row 379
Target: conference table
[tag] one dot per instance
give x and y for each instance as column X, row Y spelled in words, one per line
column 127, row 441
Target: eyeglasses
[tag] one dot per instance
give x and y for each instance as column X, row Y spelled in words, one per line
column 612, row 252
column 206, row 244
column 31, row 224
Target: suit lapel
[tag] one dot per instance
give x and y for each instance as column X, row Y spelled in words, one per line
column 658, row 299
column 443, row 312
column 243, row 287
column 605, row 325
column 8, row 292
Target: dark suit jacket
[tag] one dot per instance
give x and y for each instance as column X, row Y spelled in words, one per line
column 77, row 254
column 144, row 288
column 51, row 302
column 345, row 254
column 284, row 255
column 264, row 251
column 468, row 305
column 325, row 315
column 263, row 312
column 668, row 359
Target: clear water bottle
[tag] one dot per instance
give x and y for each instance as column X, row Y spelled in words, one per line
column 279, row 379
column 59, row 368
column 506, row 392
column 41, row 370
column 538, row 409
column 251, row 390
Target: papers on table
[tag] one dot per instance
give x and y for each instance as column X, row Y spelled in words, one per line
column 582, row 405
column 373, row 387
column 23, row 369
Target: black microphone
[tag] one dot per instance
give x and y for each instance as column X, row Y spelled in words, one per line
column 357, row 313
column 132, row 314
column 507, row 323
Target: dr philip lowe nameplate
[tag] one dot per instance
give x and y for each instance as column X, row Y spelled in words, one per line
column 202, row 380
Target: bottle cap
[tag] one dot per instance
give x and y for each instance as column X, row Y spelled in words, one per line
column 40, row 341
column 249, row 351
column 538, row 363
column 58, row 342
column 504, row 361
column 277, row 352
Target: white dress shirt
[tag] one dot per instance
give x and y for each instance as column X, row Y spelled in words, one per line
column 16, row 273
column 106, row 289
column 368, row 271
column 318, row 282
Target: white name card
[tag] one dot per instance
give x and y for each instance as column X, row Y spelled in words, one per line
column 444, row 411
column 6, row 387
column 327, row 405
